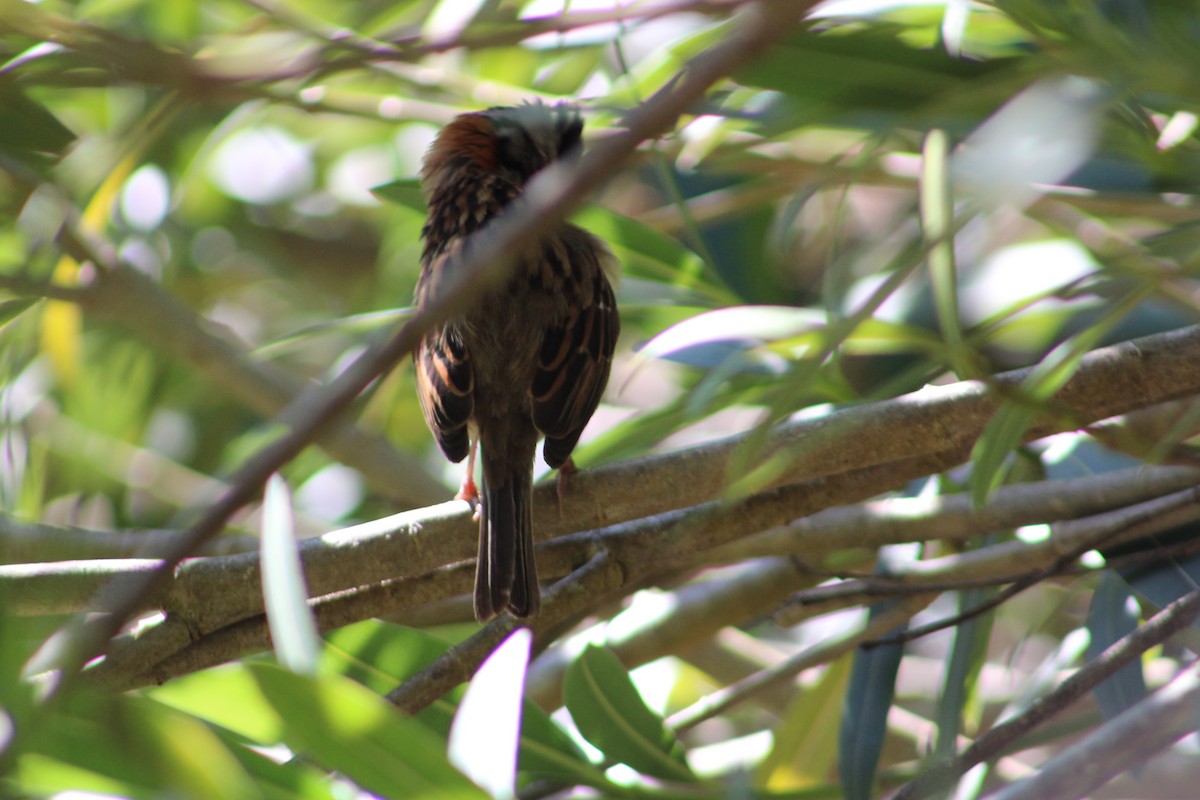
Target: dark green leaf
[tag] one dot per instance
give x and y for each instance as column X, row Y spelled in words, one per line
column 28, row 130
column 11, row 309
column 963, row 665
column 1109, row 619
column 870, row 70
column 868, row 699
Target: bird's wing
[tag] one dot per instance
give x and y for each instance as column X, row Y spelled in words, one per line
column 572, row 369
column 445, row 385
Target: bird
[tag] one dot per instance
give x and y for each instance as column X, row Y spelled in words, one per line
column 531, row 355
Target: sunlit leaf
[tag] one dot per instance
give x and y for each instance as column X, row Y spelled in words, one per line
column 346, row 727
column 405, row 192
column 487, row 725
column 293, row 629
column 227, row 696
column 1037, row 139
column 377, row 654
column 612, row 716
column 804, row 753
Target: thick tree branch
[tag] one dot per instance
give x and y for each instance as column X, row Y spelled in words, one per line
column 909, row 519
column 220, row 591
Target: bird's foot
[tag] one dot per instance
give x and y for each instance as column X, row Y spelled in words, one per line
column 564, row 476
column 470, row 492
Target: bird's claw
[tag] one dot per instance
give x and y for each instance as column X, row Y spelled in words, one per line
column 564, row 476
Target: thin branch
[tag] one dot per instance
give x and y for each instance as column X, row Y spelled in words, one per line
column 564, row 600
column 1129, row 740
column 1027, row 564
column 1156, row 630
column 698, row 611
column 28, row 287
column 28, row 542
column 816, row 655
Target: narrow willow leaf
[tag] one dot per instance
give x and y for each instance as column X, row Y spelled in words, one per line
column 1008, row 427
column 1111, row 616
column 611, row 715
column 293, row 629
column 864, row 718
column 346, row 727
column 804, row 753
column 1037, row 139
column 937, row 224
column 487, row 726
column 963, row 665
column 868, row 699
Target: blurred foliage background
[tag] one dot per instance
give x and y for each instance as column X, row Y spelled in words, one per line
column 894, row 194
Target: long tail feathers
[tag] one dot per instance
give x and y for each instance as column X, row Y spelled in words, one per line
column 506, row 576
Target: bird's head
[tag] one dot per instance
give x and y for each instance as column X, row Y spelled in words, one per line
column 512, row 141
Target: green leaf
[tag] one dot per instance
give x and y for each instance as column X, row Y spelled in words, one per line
column 160, row 751
column 647, row 253
column 548, row 752
column 346, row 727
column 404, row 192
column 963, row 665
column 290, row 620
column 864, row 71
column 1003, row 433
column 803, row 751
column 379, row 654
column 186, row 752
column 11, row 309
column 868, row 699
column 1007, row 428
column 1109, row 619
column 27, row 129
column 611, row 715
column 864, row 717
column 937, row 223
column 227, row 696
